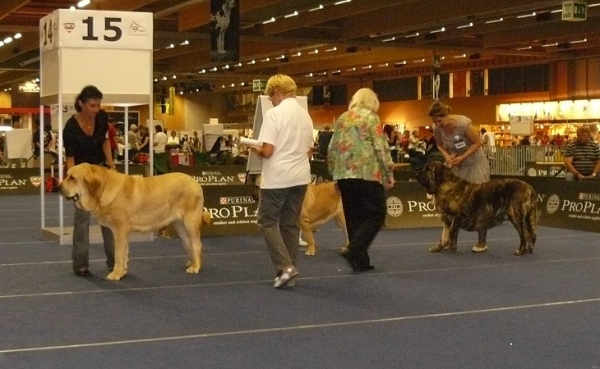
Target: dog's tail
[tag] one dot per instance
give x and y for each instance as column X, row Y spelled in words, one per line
column 206, row 218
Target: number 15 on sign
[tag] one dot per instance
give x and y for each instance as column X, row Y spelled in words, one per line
column 96, row 29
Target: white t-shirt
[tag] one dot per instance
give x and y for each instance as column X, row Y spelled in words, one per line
column 289, row 128
column 491, row 139
column 160, row 140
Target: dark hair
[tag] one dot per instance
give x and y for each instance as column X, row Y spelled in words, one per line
column 88, row 93
column 158, row 128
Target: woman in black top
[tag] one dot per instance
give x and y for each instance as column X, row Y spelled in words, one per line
column 85, row 139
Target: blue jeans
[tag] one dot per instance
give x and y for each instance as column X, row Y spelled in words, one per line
column 278, row 214
column 81, row 241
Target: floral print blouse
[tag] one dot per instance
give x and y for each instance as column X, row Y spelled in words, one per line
column 359, row 149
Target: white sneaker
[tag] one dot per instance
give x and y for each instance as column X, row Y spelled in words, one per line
column 287, row 275
column 301, row 242
column 291, row 283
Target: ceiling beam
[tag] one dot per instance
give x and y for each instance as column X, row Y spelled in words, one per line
column 428, row 13
column 9, row 6
column 306, row 19
column 120, row 5
column 22, row 45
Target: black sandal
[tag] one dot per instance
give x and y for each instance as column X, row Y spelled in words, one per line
column 83, row 272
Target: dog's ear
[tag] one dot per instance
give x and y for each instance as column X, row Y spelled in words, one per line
column 440, row 172
column 93, row 181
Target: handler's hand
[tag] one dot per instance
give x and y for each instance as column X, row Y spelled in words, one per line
column 389, row 184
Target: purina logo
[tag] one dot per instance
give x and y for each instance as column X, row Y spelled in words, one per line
column 236, row 200
column 532, row 172
column 394, row 206
column 137, row 30
column 552, row 204
column 69, row 27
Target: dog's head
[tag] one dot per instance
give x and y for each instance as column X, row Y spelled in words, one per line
column 83, row 184
column 433, row 175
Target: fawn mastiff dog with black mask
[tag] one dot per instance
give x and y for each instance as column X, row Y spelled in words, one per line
column 131, row 203
column 478, row 207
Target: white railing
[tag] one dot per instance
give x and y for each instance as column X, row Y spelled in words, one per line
column 510, row 160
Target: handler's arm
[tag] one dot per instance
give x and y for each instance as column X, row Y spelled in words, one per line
column 108, row 153
column 473, row 136
column 69, row 162
column 266, row 151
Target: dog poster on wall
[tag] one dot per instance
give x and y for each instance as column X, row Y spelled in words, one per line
column 224, row 31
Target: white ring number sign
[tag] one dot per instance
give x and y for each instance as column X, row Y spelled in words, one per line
column 96, row 29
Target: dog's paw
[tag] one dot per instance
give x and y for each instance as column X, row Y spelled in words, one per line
column 114, row 276
column 451, row 247
column 310, row 252
column 192, row 270
column 437, row 248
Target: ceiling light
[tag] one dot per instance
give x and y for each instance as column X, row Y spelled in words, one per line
column 317, row 8
column 226, row 66
column 332, row 49
column 8, row 40
column 18, row 36
column 238, row 65
column 579, row 41
column 383, row 65
column 164, row 78
column 1, row 43
column 350, row 70
column 419, row 61
column 294, row 14
column 341, row 2
column 367, row 67
column 526, row 15
column 202, row 71
column 438, row 30
column 72, row 8
column 315, row 51
column 524, row 48
column 269, row 21
column 83, row 3
column 412, row 35
column 186, row 42
column 460, row 56
column 251, row 62
column 549, row 45
column 308, row 75
column 213, row 69
column 265, row 60
column 494, row 20
column 174, row 76
column 296, row 54
column 465, row 26
column 389, row 39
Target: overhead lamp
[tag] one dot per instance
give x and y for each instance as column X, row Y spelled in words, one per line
column 1, row 43
column 317, row 8
column 296, row 54
column 202, row 71
column 336, row 72
column 465, row 25
column 315, row 51
column 419, row 61
column 367, row 67
column 438, row 30
column 389, row 39
column 526, row 15
column 72, row 8
column 351, row 69
column 332, row 49
column 251, row 62
column 213, row 69
column 579, row 41
column 383, row 65
column 400, row 64
column 415, row 34
column 341, row 2
column 524, row 48
column 460, row 56
column 550, row 45
column 294, row 14
column 269, row 21
column 8, row 40
column 164, row 78
column 494, row 21
column 174, row 76
column 186, row 42
column 18, row 36
column 83, row 3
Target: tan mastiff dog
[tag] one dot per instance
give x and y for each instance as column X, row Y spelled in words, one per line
column 321, row 203
column 130, row 203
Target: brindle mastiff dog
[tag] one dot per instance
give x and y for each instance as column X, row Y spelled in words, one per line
column 478, row 207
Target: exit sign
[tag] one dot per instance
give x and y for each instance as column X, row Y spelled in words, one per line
column 259, row 84
column 574, row 11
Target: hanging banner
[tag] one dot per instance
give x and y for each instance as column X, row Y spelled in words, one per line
column 225, row 31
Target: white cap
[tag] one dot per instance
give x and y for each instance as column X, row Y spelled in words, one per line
column 133, row 126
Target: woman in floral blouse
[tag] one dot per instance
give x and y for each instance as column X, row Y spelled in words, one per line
column 359, row 160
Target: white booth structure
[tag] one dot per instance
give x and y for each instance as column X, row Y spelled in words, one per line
column 108, row 49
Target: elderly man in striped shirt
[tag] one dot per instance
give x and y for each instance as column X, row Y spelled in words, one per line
column 582, row 157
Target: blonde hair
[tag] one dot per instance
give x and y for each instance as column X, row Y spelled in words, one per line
column 365, row 98
column 285, row 84
column 438, row 108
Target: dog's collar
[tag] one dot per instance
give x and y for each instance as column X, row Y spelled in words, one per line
column 74, row 197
